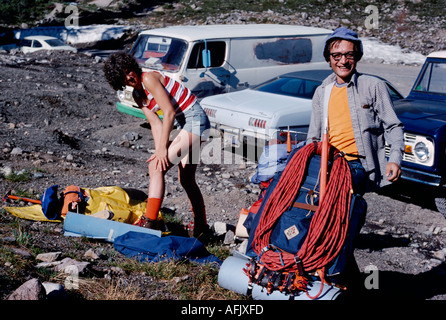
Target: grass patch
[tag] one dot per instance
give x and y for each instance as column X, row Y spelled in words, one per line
column 22, row 237
column 184, row 279
column 98, row 289
column 22, row 176
column 202, row 284
column 181, row 280
column 13, row 266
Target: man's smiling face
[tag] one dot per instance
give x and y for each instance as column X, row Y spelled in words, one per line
column 345, row 66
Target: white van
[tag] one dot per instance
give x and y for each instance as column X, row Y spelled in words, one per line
column 214, row 59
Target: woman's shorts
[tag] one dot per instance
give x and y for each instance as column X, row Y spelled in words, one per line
column 194, row 120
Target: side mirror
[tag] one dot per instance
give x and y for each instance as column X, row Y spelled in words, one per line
column 206, row 58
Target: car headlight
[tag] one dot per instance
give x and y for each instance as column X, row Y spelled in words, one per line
column 417, row 149
column 421, row 151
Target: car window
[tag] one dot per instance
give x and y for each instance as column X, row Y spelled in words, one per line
column 218, row 53
column 55, row 42
column 159, row 52
column 294, row 87
column 394, row 94
column 37, row 44
column 285, row 50
column 275, row 51
column 433, row 79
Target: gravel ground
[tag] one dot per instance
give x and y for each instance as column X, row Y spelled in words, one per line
column 59, row 125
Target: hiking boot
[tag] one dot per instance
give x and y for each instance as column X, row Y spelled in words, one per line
column 145, row 222
column 203, row 233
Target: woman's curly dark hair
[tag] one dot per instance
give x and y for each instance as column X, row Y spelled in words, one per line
column 117, row 66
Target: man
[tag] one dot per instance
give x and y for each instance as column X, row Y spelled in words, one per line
column 359, row 113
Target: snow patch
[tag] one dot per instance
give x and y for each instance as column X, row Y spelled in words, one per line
column 377, row 51
column 74, row 35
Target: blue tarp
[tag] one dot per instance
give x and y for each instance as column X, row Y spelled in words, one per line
column 147, row 247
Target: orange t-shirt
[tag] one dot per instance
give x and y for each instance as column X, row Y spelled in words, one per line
column 340, row 129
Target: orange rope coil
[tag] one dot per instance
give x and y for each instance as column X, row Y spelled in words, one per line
column 329, row 225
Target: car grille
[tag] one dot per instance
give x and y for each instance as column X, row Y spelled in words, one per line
column 258, row 123
column 210, row 112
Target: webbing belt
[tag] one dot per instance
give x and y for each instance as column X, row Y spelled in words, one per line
column 305, row 206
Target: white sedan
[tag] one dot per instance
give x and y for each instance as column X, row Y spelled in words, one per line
column 256, row 115
column 36, row 43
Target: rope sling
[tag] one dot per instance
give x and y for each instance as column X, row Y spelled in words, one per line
column 329, row 225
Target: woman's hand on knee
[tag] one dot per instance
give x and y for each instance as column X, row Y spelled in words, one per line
column 161, row 160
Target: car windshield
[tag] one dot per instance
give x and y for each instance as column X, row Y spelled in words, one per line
column 433, row 79
column 55, row 42
column 294, row 87
column 161, row 53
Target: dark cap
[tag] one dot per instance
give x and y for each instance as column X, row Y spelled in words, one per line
column 342, row 33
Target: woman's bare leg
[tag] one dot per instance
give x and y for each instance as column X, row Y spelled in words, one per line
column 179, row 152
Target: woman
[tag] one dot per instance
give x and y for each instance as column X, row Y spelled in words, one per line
column 153, row 92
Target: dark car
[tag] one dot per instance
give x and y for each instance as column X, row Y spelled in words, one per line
column 423, row 114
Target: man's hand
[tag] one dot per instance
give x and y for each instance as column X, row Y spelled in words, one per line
column 393, row 171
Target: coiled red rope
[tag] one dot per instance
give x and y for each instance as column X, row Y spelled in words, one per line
column 329, row 225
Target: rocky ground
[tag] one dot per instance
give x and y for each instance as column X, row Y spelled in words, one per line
column 59, row 125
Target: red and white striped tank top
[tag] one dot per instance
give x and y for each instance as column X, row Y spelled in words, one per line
column 180, row 96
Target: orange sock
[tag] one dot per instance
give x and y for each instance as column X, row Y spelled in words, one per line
column 153, row 207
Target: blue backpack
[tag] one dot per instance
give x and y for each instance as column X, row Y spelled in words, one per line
column 291, row 229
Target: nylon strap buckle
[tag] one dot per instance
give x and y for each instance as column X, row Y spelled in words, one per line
column 299, row 264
